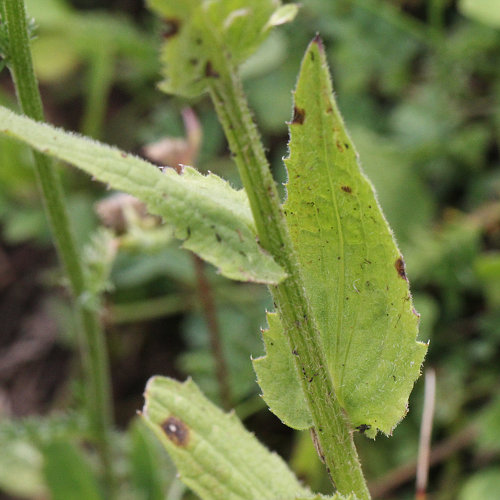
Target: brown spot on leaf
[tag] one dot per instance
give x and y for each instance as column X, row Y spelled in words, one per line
column 171, row 27
column 347, row 189
column 400, row 267
column 319, row 42
column 176, row 430
column 363, row 428
column 299, row 115
column 340, row 146
column 210, row 71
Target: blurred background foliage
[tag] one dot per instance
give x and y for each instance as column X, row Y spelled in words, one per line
column 418, row 82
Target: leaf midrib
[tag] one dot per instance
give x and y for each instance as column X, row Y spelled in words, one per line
column 340, row 300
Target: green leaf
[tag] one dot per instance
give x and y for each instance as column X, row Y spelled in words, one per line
column 214, row 454
column 21, row 459
column 353, row 271
column 484, row 11
column 276, row 376
column 482, row 485
column 200, row 33
column 337, row 496
column 213, row 219
column 68, row 475
column 150, row 467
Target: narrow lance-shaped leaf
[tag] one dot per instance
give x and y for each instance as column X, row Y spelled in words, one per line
column 213, row 219
column 205, row 30
column 353, row 271
column 214, row 454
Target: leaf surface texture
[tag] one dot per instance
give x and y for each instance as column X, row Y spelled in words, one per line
column 353, row 271
column 213, row 452
column 213, row 219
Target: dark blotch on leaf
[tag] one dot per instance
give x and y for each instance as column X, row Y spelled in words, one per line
column 171, row 28
column 210, row 71
column 363, row 428
column 176, row 430
column 217, row 237
column 400, row 267
column 346, row 189
column 299, row 115
column 319, row 42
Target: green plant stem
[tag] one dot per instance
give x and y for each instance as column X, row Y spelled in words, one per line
column 331, row 426
column 91, row 339
column 100, row 77
column 144, row 310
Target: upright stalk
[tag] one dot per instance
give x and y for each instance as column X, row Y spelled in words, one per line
column 333, row 432
column 210, row 312
column 91, row 339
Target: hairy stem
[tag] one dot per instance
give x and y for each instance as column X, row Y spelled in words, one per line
column 91, row 339
column 332, row 429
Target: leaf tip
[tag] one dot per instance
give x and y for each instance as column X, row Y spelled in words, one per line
column 317, row 40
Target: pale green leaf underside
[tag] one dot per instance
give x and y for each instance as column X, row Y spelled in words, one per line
column 485, row 11
column 213, row 219
column 276, row 376
column 353, row 271
column 337, row 496
column 201, row 33
column 214, row 454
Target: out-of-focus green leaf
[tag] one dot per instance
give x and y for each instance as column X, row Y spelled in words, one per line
column 213, row 219
column 353, row 271
column 21, row 461
column 484, row 11
column 214, row 31
column 482, row 485
column 306, row 463
column 237, row 327
column 150, row 470
column 337, row 496
column 99, row 255
column 21, row 469
column 487, row 267
column 489, row 427
column 68, row 474
column 214, row 454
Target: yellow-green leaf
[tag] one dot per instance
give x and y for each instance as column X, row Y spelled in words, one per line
column 213, row 219
column 214, row 454
column 214, row 31
column 353, row 271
